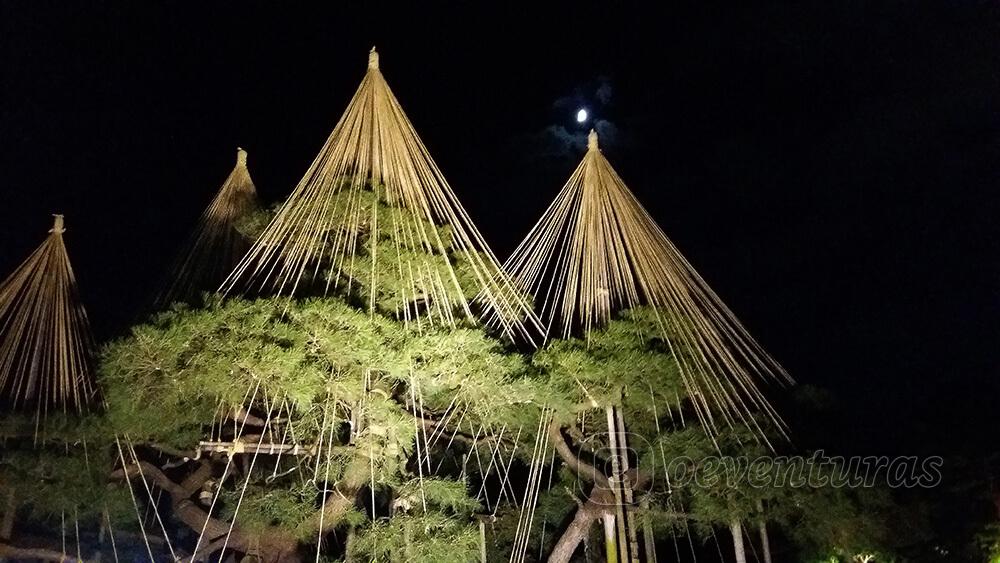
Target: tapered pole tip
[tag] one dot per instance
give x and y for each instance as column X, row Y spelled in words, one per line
column 57, row 225
column 241, row 157
column 592, row 140
column 373, row 59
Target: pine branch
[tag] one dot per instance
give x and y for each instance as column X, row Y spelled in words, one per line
column 17, row 553
column 337, row 506
column 205, row 552
column 582, row 468
column 184, row 508
column 171, row 451
column 600, row 502
column 638, row 479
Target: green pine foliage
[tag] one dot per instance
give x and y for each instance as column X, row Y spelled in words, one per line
column 432, row 537
column 406, row 423
column 265, row 506
column 555, row 504
column 57, row 480
column 626, row 363
column 252, row 223
column 841, row 523
column 376, row 237
column 432, row 523
column 326, row 363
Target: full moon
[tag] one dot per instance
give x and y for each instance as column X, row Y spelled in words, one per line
column 581, row 116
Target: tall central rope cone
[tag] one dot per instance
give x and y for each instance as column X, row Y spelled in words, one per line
column 374, row 218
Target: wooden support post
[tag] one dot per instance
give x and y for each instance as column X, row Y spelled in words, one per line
column 765, row 541
column 647, row 533
column 630, row 524
column 249, row 448
column 616, row 482
column 610, row 543
column 482, row 540
column 737, row 530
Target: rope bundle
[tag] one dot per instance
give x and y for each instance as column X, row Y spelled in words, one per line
column 216, row 245
column 45, row 340
column 595, row 251
column 318, row 231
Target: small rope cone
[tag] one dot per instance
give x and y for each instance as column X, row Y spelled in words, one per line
column 592, row 140
column 57, row 225
column 45, row 341
column 373, row 59
column 217, row 243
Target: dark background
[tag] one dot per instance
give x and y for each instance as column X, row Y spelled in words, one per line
column 831, row 168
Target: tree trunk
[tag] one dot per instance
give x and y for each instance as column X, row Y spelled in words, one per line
column 348, row 545
column 277, row 550
column 34, row 553
column 602, row 499
column 595, row 507
column 9, row 514
column 273, row 546
column 7, row 524
column 571, row 538
column 737, row 529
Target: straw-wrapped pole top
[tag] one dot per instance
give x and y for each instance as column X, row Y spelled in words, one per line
column 57, row 225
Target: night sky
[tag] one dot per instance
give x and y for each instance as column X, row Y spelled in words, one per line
column 832, row 168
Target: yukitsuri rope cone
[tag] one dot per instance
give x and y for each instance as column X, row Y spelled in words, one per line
column 596, row 251
column 45, row 340
column 216, row 245
column 374, row 175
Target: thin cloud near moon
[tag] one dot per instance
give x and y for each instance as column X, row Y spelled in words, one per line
column 567, row 137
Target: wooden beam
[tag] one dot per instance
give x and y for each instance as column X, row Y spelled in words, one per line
column 245, row 448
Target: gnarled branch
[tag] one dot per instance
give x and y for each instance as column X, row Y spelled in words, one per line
column 583, row 468
column 600, row 502
column 41, row 553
